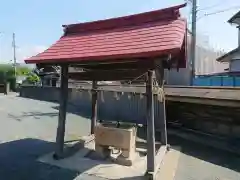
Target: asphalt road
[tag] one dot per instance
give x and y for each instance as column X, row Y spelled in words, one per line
column 27, row 131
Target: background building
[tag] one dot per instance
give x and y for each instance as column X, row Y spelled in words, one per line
column 205, row 63
column 233, row 57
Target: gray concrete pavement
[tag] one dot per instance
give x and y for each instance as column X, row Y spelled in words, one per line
column 23, row 118
column 28, row 129
column 198, row 162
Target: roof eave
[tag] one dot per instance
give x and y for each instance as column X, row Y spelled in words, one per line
column 100, row 59
column 228, row 56
column 223, row 59
column 235, row 19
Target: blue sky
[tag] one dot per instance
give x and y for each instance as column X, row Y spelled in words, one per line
column 38, row 23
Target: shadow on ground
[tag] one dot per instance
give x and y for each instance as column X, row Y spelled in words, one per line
column 80, row 111
column 18, row 161
column 206, row 153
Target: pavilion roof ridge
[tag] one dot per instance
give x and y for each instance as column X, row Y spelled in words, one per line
column 141, row 36
column 166, row 14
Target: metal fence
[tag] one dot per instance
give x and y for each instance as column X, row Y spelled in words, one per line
column 217, row 81
column 112, row 106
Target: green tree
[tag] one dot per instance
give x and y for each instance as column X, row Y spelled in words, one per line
column 9, row 70
column 32, row 79
column 7, row 74
column 23, row 70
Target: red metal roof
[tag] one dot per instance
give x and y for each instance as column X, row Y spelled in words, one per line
column 150, row 34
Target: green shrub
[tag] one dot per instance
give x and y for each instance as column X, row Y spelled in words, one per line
column 32, row 79
column 12, row 83
column 2, row 77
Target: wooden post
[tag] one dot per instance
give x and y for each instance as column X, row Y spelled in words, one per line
column 150, row 125
column 59, row 153
column 164, row 124
column 94, row 106
column 159, row 72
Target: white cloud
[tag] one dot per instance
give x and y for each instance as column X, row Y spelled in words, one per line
column 23, row 53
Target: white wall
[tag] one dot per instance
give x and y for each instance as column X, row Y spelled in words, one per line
column 235, row 63
column 205, row 63
column 178, row 77
column 237, row 56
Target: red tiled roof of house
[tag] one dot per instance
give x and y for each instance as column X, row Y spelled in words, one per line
column 150, row 34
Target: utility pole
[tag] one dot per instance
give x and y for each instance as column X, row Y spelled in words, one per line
column 1, row 33
column 14, row 56
column 0, row 45
column 193, row 41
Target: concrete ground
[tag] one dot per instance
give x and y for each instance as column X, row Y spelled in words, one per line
column 28, row 129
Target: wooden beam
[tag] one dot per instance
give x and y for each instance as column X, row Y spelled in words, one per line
column 59, row 152
column 137, row 64
column 150, row 125
column 111, row 75
column 94, row 106
column 164, row 125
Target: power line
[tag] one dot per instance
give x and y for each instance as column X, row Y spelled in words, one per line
column 219, row 11
column 0, row 46
column 210, row 7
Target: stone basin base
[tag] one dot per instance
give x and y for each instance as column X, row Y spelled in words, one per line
column 108, row 138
